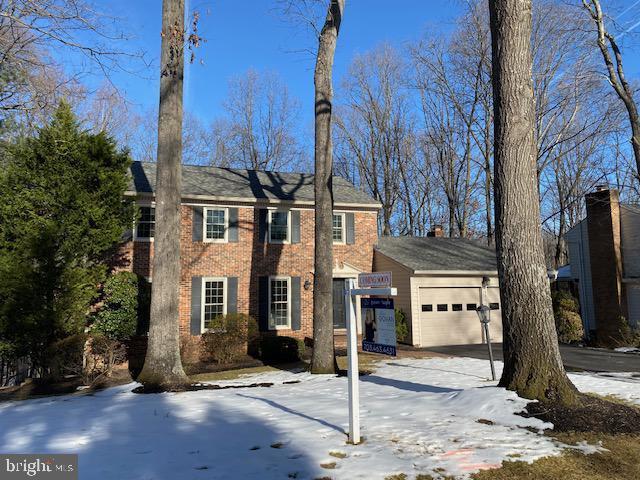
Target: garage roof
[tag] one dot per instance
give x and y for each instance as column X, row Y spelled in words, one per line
column 427, row 254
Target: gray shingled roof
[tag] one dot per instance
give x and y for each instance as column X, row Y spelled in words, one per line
column 437, row 253
column 247, row 184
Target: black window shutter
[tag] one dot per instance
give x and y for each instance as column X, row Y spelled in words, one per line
column 295, row 226
column 263, row 227
column 295, row 304
column 197, row 224
column 263, row 303
column 196, row 305
column 232, row 294
column 233, row 225
column 351, row 228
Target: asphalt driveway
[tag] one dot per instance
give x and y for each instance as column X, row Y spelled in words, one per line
column 574, row 358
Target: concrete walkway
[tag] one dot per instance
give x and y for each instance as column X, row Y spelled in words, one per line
column 574, row 358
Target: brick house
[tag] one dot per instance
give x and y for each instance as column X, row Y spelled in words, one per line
column 247, row 244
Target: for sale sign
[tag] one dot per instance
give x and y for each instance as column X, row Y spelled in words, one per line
column 379, row 326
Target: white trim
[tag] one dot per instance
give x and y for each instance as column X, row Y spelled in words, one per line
column 135, row 236
column 279, row 242
column 204, row 224
column 261, row 201
column 270, row 323
column 343, row 215
column 202, row 298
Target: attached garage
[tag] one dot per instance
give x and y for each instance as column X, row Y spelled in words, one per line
column 439, row 283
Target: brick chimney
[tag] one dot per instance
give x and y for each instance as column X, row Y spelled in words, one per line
column 436, row 231
column 603, row 224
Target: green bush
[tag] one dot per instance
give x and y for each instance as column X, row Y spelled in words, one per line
column 118, row 317
column 569, row 326
column 563, row 300
column 566, row 311
column 280, row 349
column 402, row 329
column 230, row 340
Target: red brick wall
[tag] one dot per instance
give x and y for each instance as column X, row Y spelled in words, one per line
column 249, row 259
column 603, row 222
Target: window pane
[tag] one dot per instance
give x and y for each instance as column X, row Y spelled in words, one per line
column 427, row 308
column 456, row 307
column 146, row 223
column 472, row 306
column 279, row 305
column 494, row 306
column 213, row 303
column 337, row 228
column 443, row 307
column 215, row 227
column 279, row 225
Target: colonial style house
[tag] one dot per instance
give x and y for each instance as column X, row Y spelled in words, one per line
column 247, row 244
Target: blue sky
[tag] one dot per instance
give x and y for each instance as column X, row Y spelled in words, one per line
column 243, row 34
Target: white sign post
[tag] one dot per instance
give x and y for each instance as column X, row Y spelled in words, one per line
column 350, row 295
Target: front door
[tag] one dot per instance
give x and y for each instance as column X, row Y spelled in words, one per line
column 338, row 304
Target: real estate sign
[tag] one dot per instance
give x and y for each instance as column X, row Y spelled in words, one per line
column 379, row 326
column 374, row 280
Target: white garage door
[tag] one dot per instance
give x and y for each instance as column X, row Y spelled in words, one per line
column 448, row 316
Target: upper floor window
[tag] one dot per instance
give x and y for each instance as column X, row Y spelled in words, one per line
column 216, row 224
column 145, row 227
column 338, row 228
column 279, row 226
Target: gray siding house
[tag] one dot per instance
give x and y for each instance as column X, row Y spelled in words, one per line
column 604, row 254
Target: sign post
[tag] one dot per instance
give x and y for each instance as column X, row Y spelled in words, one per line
column 353, row 372
column 381, row 284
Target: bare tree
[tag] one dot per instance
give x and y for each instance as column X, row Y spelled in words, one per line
column 323, row 360
column 375, row 126
column 611, row 53
column 162, row 366
column 532, row 363
column 259, row 129
column 31, row 32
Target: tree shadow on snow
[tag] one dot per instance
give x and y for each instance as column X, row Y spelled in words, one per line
column 118, row 434
column 406, row 385
column 437, row 370
column 295, row 412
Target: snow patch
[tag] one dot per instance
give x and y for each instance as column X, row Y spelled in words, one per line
column 437, row 416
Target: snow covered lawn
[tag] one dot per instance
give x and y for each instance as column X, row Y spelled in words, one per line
column 418, row 416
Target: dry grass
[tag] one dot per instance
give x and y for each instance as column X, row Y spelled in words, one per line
column 621, row 462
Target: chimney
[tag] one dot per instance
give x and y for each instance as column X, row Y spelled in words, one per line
column 603, row 225
column 436, row 231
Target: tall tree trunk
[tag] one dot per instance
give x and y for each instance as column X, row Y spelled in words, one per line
column 162, row 366
column 323, row 360
column 532, row 363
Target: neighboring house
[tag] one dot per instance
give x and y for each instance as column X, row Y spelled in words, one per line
column 247, row 245
column 439, row 283
column 604, row 255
